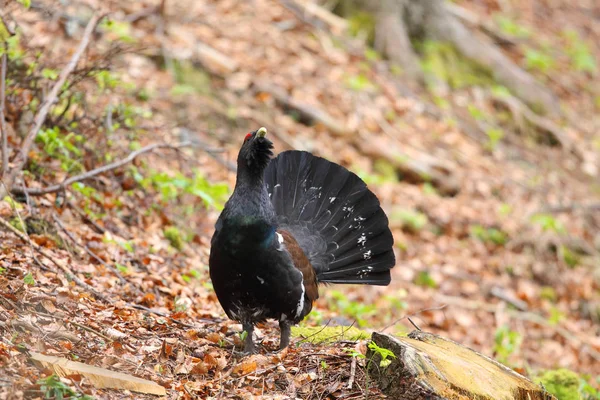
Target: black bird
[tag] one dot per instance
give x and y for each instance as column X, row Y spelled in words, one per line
column 291, row 223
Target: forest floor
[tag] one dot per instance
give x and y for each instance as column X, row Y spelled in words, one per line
column 496, row 225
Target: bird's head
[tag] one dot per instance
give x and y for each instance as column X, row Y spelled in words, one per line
column 256, row 152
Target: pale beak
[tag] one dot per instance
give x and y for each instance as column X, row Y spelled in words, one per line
column 262, row 132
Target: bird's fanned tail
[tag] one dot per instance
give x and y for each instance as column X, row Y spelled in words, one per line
column 335, row 218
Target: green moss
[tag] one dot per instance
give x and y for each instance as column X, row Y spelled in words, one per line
column 328, row 334
column 362, row 23
column 191, row 79
column 441, row 61
column 16, row 223
column 410, row 220
column 173, row 235
column 562, row 383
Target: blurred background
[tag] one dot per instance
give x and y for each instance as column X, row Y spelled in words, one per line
column 475, row 122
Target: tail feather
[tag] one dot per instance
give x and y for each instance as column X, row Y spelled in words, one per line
column 335, row 218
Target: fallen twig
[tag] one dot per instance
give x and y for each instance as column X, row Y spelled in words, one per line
column 569, row 208
column 87, row 250
column 307, row 111
column 2, row 121
column 66, row 271
column 40, row 117
column 506, row 297
column 28, row 326
column 518, row 109
column 78, row 325
column 97, row 171
column 352, row 373
column 316, row 15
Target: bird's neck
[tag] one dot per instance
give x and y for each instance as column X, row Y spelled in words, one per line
column 250, row 200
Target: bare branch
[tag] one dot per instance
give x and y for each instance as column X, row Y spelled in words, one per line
column 66, row 271
column 41, row 115
column 87, row 249
column 97, row 171
column 2, row 121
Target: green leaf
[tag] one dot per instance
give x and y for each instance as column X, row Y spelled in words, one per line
column 49, row 73
column 28, row 279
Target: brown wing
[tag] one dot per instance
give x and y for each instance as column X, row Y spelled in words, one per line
column 301, row 262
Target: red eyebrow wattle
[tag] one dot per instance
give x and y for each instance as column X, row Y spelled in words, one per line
column 248, row 136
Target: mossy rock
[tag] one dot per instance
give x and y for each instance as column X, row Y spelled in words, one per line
column 562, row 383
column 328, row 334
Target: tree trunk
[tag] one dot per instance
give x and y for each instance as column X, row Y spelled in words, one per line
column 427, row 366
column 400, row 21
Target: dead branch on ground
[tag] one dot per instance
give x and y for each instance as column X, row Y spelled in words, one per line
column 3, row 128
column 66, row 271
column 60, row 224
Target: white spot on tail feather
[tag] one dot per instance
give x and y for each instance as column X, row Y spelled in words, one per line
column 261, row 280
column 367, row 255
column 331, row 199
column 362, row 240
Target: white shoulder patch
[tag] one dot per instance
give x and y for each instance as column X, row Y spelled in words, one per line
column 301, row 302
column 280, row 240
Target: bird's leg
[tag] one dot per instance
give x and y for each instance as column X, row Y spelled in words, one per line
column 249, row 342
column 286, row 329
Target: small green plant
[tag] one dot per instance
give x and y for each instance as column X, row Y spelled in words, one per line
column 54, row 388
column 354, row 353
column 495, row 135
column 385, row 354
column 555, row 316
column 536, row 60
column 359, row 83
column 548, row 293
column 28, row 279
column 172, row 187
column 324, row 365
column 194, row 273
column 506, row 342
column 489, row 235
column 476, row 112
column 570, row 257
column 119, row 30
column 25, row 3
column 425, row 279
column 511, row 28
column 355, row 309
column 62, row 147
column 243, row 335
column 581, row 56
column 548, row 223
column 122, row 268
column 505, row 210
column 173, row 235
column 410, row 220
column 586, row 390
